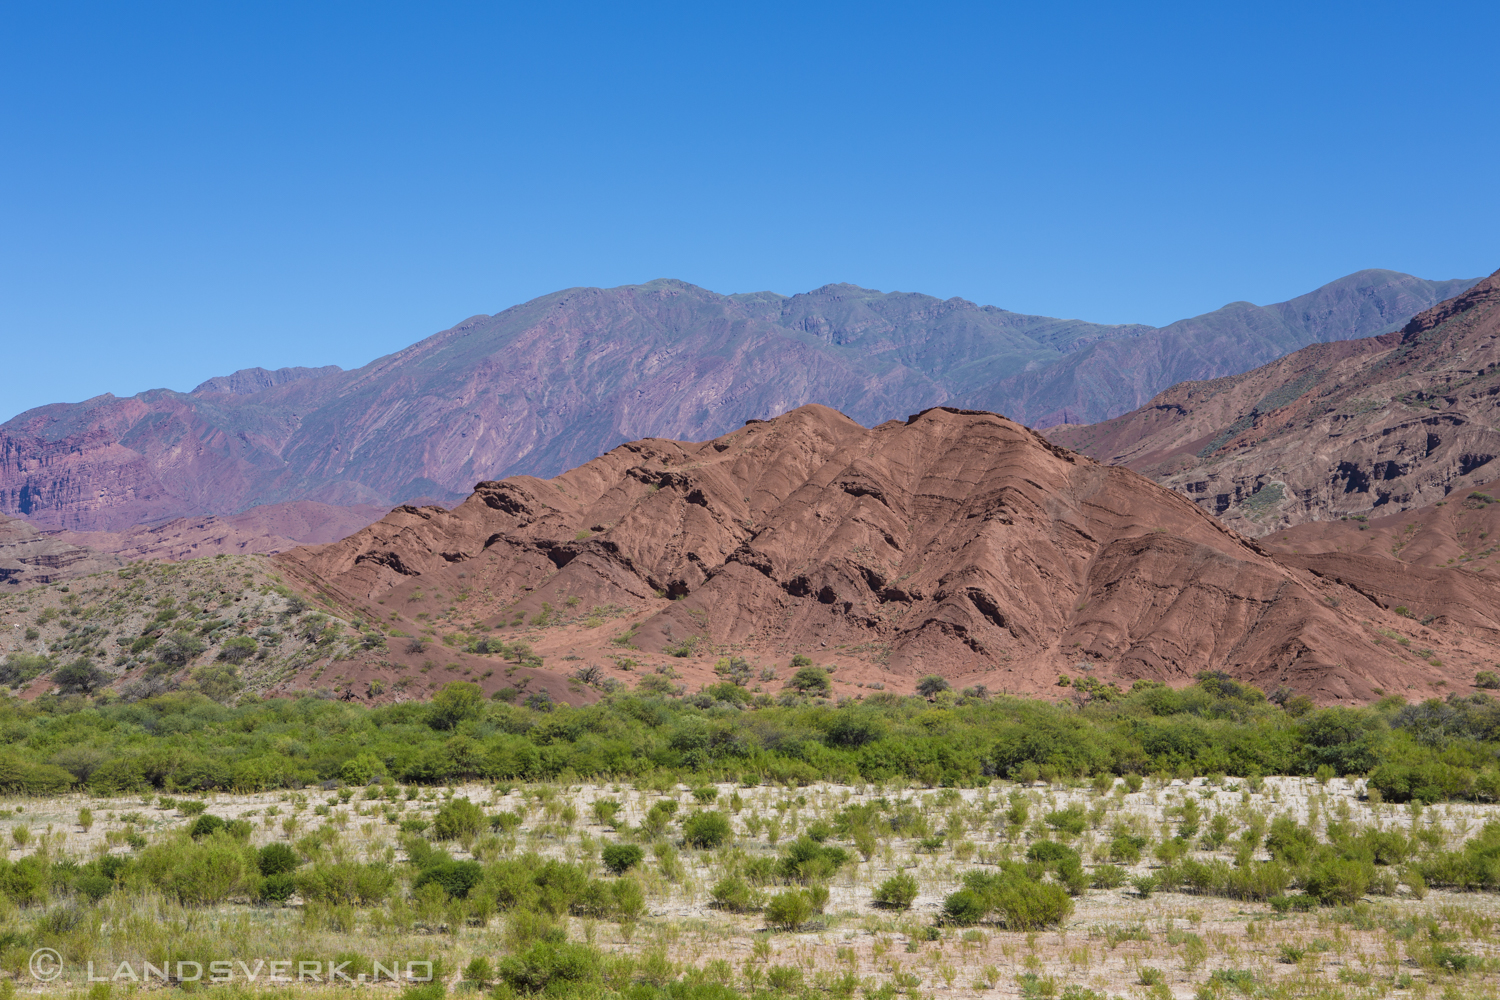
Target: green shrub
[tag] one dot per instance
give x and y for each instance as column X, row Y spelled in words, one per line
column 1024, row 905
column 897, row 892
column 277, row 859
column 1109, row 877
column 80, row 676
column 784, row 978
column 556, row 968
column 1071, row 820
column 789, row 910
column 734, row 894
column 1126, row 848
column 620, row 858
column 201, row 872
column 1289, row 842
column 805, row 859
column 1338, row 881
column 277, row 887
column 346, row 883
column 456, row 877
column 705, row 795
column 95, row 887
column 707, row 829
column 458, row 819
column 1050, row 853
column 811, row 680
column 19, row 668
column 964, row 908
column 478, row 972
column 205, row 825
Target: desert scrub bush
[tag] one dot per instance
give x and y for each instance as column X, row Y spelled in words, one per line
column 964, row 908
column 556, row 968
column 658, row 818
column 277, row 888
column 805, row 860
column 277, row 859
column 458, row 819
column 1109, row 877
column 897, row 892
column 620, row 858
column 1019, row 902
column 345, row 883
column 205, row 825
column 1475, row 866
column 789, row 910
column 1071, row 820
column 605, row 812
column 1289, row 842
column 1339, row 881
column 734, row 894
column 1126, row 848
column 457, row 878
column 1050, row 854
column 707, row 829
column 200, row 872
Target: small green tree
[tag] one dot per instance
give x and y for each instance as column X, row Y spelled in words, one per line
column 80, row 677
column 238, row 649
column 178, row 648
column 620, row 858
column 811, row 680
column 456, row 703
column 929, row 687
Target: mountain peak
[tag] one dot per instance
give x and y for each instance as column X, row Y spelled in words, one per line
column 252, row 380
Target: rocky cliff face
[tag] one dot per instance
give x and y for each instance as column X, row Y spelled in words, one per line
column 29, row 557
column 554, row 382
column 954, row 542
column 1355, row 429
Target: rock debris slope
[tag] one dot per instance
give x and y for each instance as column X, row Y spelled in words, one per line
column 1357, row 428
column 955, row 542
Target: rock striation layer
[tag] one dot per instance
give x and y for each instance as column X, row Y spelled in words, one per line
column 1361, row 428
column 954, row 542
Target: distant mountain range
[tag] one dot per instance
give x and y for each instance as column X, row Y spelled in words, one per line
column 549, row 384
column 1360, row 429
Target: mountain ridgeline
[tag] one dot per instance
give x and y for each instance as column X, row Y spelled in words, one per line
column 1363, row 428
column 551, row 383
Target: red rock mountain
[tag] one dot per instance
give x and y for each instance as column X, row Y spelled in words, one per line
column 954, row 542
column 552, row 383
column 1358, row 428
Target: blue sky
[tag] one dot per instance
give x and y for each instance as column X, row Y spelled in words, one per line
column 190, row 189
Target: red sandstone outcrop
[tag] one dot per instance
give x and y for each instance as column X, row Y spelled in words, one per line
column 955, row 542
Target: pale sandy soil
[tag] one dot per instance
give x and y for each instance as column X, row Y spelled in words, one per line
column 883, row 946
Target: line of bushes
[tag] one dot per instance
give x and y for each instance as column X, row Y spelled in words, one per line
column 187, row 742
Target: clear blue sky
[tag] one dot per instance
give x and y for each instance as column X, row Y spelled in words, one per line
column 194, row 188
